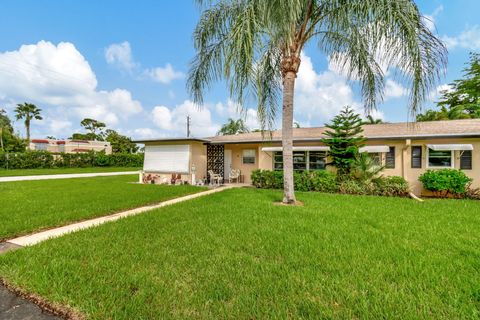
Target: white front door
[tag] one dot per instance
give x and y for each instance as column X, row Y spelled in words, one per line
column 227, row 163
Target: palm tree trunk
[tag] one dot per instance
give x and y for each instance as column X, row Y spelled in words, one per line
column 1, row 139
column 27, row 127
column 287, row 137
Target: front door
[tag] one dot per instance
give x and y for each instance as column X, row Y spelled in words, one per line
column 227, row 165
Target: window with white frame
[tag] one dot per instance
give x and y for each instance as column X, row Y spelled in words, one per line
column 41, row 146
column 248, row 156
column 302, row 160
column 440, row 158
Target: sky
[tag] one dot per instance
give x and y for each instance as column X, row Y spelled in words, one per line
column 125, row 63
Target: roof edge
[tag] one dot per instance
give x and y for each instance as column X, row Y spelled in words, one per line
column 170, row 140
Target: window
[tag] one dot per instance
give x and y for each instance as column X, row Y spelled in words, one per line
column 41, row 146
column 316, row 160
column 376, row 157
column 302, row 160
column 277, row 160
column 466, row 160
column 390, row 158
column 299, row 160
column 440, row 159
column 248, row 156
column 416, row 157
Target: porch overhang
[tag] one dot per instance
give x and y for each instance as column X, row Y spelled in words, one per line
column 299, row 148
column 374, row 149
column 450, row 147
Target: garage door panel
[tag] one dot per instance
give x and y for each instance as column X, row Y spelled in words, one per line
column 169, row 158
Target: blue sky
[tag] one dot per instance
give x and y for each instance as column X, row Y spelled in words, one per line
column 124, row 62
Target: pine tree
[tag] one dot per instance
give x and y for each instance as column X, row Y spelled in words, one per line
column 344, row 139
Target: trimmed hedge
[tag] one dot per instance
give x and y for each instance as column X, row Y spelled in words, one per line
column 326, row 181
column 44, row 159
column 445, row 181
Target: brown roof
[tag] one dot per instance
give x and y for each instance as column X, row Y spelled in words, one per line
column 449, row 128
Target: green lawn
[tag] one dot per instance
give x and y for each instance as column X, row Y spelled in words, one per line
column 32, row 172
column 235, row 255
column 26, row 206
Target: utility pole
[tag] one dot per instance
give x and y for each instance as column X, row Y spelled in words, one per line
column 188, row 126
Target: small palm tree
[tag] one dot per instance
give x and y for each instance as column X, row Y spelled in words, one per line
column 372, row 120
column 233, row 127
column 255, row 45
column 27, row 112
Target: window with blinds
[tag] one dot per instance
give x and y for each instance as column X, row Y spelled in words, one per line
column 416, row 157
column 466, row 160
column 390, row 158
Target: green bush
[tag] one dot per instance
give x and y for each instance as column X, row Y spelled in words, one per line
column 445, row 181
column 44, row 159
column 27, row 160
column 326, row 181
column 391, row 186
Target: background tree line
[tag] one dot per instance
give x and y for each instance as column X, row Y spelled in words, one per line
column 10, row 141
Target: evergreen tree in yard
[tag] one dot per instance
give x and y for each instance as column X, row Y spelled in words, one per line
column 344, row 139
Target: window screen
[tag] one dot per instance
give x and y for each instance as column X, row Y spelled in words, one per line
column 390, row 158
column 416, row 156
column 466, row 160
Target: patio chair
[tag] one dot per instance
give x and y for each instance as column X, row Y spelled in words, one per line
column 176, row 179
column 215, row 178
column 234, row 175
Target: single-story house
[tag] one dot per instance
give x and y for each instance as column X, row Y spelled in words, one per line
column 405, row 149
column 70, row 146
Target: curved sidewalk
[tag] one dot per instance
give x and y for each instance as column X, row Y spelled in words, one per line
column 66, row 176
column 35, row 238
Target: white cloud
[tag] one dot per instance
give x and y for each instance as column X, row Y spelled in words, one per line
column 175, row 119
column 394, row 89
column 435, row 94
column 59, row 76
column 145, row 133
column 164, row 75
column 429, row 19
column 320, row 96
column 120, row 54
column 468, row 39
column 235, row 111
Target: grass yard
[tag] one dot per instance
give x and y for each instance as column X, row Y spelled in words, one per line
column 34, row 172
column 235, row 255
column 26, row 206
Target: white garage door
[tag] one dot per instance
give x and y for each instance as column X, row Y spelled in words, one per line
column 171, row 158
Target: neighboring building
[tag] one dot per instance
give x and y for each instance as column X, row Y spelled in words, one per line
column 406, row 149
column 70, row 146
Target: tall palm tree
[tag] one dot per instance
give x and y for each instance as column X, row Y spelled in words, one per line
column 27, row 112
column 255, row 45
column 233, row 127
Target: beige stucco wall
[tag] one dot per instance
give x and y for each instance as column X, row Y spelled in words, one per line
column 263, row 160
column 237, row 159
column 402, row 158
column 69, row 146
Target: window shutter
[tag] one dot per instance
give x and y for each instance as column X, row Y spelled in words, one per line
column 416, row 157
column 167, row 158
column 390, row 158
column 466, row 160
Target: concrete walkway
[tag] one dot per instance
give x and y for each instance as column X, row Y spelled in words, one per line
column 57, row 232
column 66, row 176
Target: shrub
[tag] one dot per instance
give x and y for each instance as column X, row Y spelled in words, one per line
column 44, row 159
column 350, row 186
column 445, row 181
column 326, row 181
column 391, row 186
